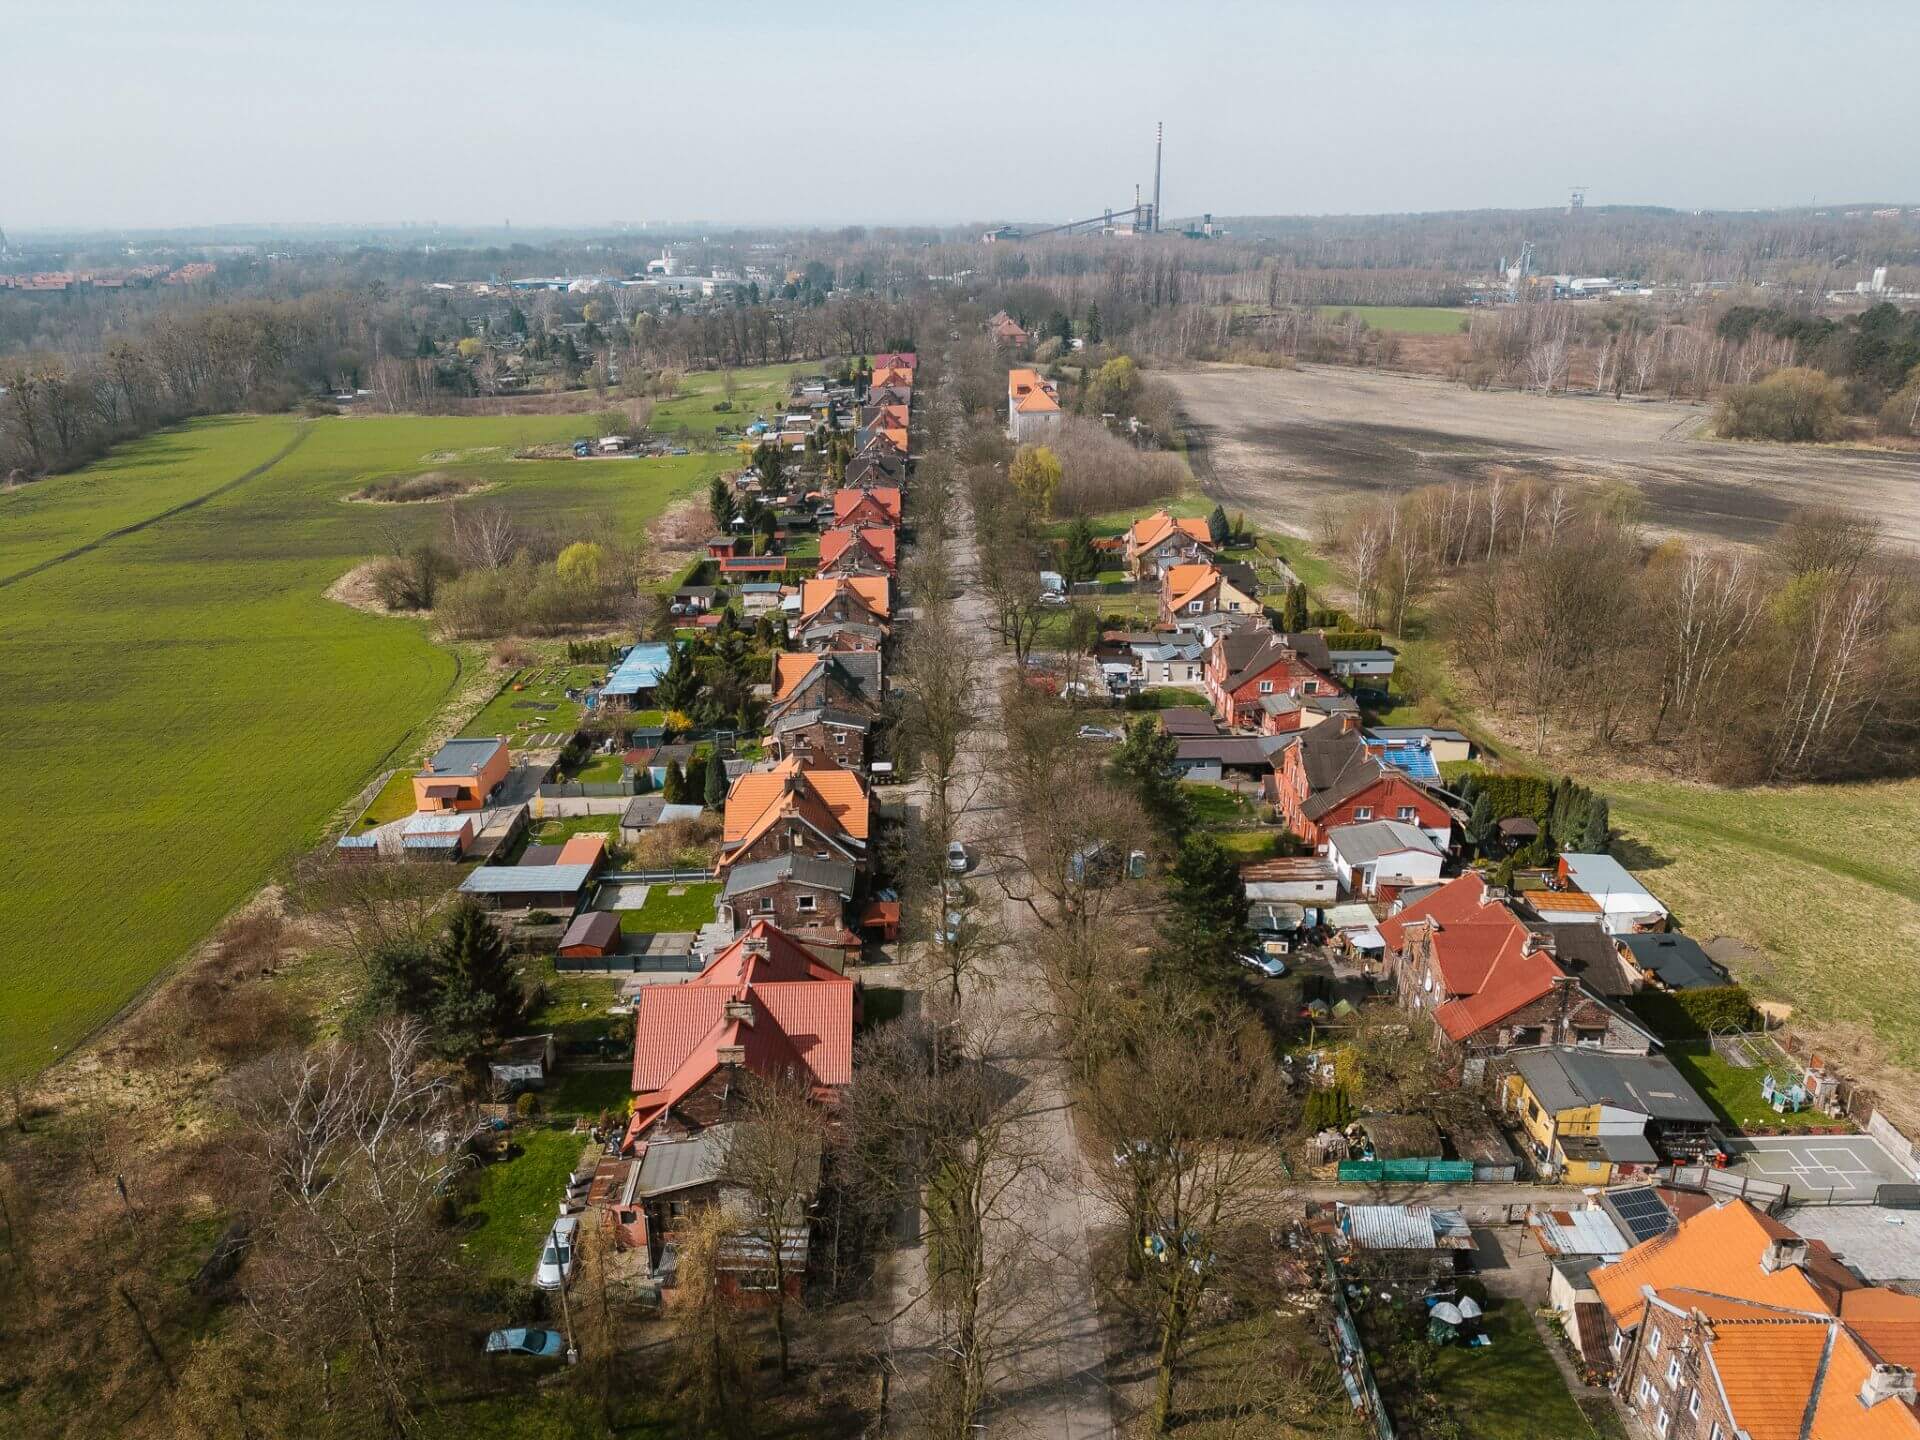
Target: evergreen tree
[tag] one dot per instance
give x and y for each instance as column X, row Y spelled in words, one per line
column 1080, row 561
column 1092, row 329
column 401, row 980
column 673, row 789
column 720, row 504
column 479, row 997
column 1209, row 912
column 1296, row 608
column 1481, row 822
column 693, row 785
column 1217, row 528
column 1144, row 763
column 679, row 687
column 715, row 789
column 1595, row 838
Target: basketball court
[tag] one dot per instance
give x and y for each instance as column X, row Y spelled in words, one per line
column 1837, row 1167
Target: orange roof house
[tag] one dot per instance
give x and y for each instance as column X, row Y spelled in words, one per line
column 869, row 551
column 868, row 596
column 1744, row 1328
column 461, row 775
column 810, row 807
column 897, row 360
column 1197, row 588
column 892, row 378
column 875, row 505
column 1161, row 529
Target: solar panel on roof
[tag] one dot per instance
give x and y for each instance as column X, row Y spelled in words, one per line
column 1641, row 1210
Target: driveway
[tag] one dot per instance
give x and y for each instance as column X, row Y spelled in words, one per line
column 1821, row 1167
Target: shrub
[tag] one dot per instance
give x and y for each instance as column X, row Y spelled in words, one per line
column 1792, row 405
column 1101, row 472
column 1695, row 1014
column 527, row 1105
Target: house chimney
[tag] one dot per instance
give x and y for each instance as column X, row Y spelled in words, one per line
column 735, row 1055
column 741, row 1010
column 1785, row 1255
column 756, row 945
column 1887, row 1382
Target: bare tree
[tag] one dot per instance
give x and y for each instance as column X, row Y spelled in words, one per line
column 715, row 1356
column 772, row 1173
column 1193, row 1107
column 348, row 1148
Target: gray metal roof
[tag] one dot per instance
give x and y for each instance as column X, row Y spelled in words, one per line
column 463, row 757
column 679, row 1164
column 1677, row 959
column 1363, row 844
column 801, row 869
column 526, row 880
column 1566, row 1079
column 436, row 823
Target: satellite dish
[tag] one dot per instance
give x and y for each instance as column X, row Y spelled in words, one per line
column 1446, row 1310
column 1469, row 1308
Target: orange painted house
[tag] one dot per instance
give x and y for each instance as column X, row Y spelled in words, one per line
column 461, row 775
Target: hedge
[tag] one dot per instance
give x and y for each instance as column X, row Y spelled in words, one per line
column 1695, row 1014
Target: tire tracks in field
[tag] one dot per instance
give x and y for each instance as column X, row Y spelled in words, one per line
column 121, row 532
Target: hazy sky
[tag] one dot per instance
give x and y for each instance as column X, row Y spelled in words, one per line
column 177, row 112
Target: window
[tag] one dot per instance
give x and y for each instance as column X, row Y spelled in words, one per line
column 1644, row 1391
column 766, row 904
column 1533, row 1113
column 1593, row 1038
column 1408, row 813
column 1653, row 1343
column 1661, row 1421
column 804, row 904
column 1693, row 1404
column 1363, row 812
column 1716, row 1433
column 1312, row 687
column 1266, row 687
column 1619, row 1343
column 1673, row 1371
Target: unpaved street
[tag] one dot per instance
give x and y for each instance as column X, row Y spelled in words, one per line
column 1279, row 443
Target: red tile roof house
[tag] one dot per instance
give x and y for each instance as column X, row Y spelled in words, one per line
column 896, row 360
column 1251, row 662
column 1324, row 778
column 765, row 1006
column 1491, row 983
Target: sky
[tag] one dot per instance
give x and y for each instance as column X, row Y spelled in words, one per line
column 171, row 113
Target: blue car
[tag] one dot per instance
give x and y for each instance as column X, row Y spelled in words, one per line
column 542, row 1344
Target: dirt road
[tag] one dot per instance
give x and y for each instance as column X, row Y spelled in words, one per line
column 1278, row 443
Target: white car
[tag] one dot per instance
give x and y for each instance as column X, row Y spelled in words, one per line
column 957, row 858
column 556, row 1255
column 1100, row 732
column 1053, row 598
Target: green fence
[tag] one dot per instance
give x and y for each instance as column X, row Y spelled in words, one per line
column 1408, row 1172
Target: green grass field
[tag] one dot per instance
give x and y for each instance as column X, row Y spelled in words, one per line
column 539, row 707
column 760, row 391
column 665, row 912
column 515, row 1202
column 1822, row 879
column 188, row 689
column 1403, row 319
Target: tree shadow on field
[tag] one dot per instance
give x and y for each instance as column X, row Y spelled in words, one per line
column 1638, row 854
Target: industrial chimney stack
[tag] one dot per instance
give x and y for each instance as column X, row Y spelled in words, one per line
column 1159, row 132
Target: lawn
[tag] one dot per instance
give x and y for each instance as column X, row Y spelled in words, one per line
column 600, row 770
column 1403, row 319
column 586, row 1092
column 667, row 912
column 1509, row 1390
column 1243, row 847
column 515, row 1201
column 577, row 1007
column 539, row 706
column 1167, row 697
column 1217, row 805
column 758, row 392
column 561, row 829
column 1823, row 880
column 1734, row 1092
column 240, row 707
column 395, row 800
column 1189, row 504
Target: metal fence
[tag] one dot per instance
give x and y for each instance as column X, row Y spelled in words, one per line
column 600, row 790
column 656, row 877
column 1411, row 1172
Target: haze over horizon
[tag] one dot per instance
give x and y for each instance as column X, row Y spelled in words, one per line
column 584, row 112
